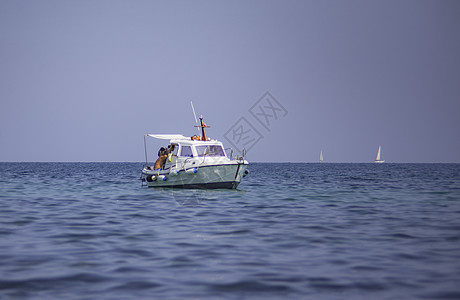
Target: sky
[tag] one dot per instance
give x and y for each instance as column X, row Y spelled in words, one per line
column 85, row 80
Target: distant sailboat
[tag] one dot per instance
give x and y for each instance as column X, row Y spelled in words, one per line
column 379, row 159
column 321, row 156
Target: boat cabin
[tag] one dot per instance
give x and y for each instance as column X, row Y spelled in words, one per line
column 182, row 150
column 198, row 149
column 191, row 150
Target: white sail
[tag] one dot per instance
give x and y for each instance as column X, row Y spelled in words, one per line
column 321, row 156
column 379, row 159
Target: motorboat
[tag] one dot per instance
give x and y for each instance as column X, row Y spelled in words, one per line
column 194, row 162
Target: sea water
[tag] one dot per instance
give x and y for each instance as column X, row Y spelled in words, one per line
column 299, row 231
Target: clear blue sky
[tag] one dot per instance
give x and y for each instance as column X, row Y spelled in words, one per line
column 84, row 80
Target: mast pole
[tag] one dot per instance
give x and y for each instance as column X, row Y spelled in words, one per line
column 203, row 133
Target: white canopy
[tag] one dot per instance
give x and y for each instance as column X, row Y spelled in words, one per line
column 168, row 136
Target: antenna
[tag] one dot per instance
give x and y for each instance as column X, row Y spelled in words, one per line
column 194, row 114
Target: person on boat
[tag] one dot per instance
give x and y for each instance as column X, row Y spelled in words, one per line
column 162, row 149
column 162, row 155
column 171, row 152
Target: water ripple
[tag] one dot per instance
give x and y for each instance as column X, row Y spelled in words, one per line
column 319, row 231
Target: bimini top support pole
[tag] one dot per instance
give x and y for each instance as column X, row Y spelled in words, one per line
column 145, row 149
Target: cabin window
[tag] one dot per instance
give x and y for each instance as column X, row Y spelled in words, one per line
column 186, row 151
column 210, row 150
column 176, row 149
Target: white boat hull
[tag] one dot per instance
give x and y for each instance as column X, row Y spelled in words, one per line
column 226, row 176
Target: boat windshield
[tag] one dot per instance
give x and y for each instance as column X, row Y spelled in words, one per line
column 186, row 151
column 210, row 150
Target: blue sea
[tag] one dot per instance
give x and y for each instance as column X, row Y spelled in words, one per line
column 290, row 231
